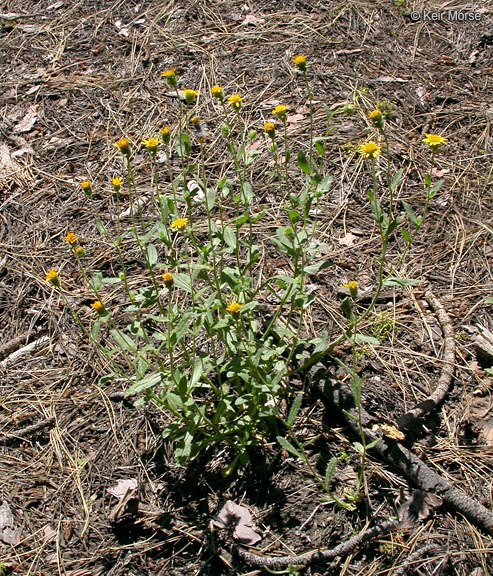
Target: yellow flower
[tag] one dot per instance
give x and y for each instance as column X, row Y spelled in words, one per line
column 170, row 76
column 190, row 95
column 235, row 101
column 85, row 185
column 434, row 141
column 151, row 144
column 98, row 306
column 270, row 129
column 169, row 73
column 300, row 62
column 124, row 146
column 376, row 118
column 195, row 120
column 234, row 307
column 52, row 277
column 165, row 132
column 168, row 280
column 280, row 111
column 179, row 223
column 217, row 92
column 369, row 149
column 71, row 238
column 117, row 182
column 80, row 251
column 353, row 288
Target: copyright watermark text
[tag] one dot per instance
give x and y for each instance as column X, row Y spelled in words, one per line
column 446, row 16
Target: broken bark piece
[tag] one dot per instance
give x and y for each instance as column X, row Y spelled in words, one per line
column 448, row 359
column 483, row 344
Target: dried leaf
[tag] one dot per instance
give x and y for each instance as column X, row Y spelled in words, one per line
column 27, row 123
column 6, row 516
column 122, row 487
column 234, row 514
column 294, row 118
column 10, row 536
column 392, row 432
column 348, row 239
column 252, row 20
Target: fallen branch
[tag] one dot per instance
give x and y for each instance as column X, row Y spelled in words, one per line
column 416, row 555
column 24, row 351
column 448, row 359
column 27, row 431
column 342, row 549
column 339, row 396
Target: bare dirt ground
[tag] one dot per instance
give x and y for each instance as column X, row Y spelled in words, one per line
column 75, row 77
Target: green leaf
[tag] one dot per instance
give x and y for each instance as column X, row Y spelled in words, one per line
column 319, row 147
column 396, row 179
column 488, row 301
column 362, row 339
column 303, row 163
column 406, row 235
column 96, row 281
column 289, row 447
column 229, row 237
column 347, row 309
column 198, row 370
column 152, row 255
column 315, row 268
column 294, row 216
column 435, row 188
column 107, row 378
column 394, row 281
column 123, row 340
column 410, row 214
column 182, row 281
column 329, row 471
column 295, row 407
column 246, row 194
column 95, row 329
column 359, row 447
column 148, row 382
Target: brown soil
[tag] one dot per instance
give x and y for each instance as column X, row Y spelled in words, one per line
column 75, row 77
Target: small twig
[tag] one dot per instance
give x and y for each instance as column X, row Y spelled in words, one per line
column 416, row 555
column 12, row 345
column 14, row 356
column 27, row 431
column 448, row 360
column 342, row 549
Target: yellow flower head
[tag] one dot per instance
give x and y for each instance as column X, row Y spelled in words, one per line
column 117, row 182
column 195, row 120
column 369, row 149
column 168, row 280
column 52, row 277
column 165, row 132
column 376, row 117
column 170, row 76
column 353, row 287
column 434, row 141
column 270, row 129
column 300, row 62
column 151, row 144
column 217, row 92
column 98, row 306
column 280, row 111
column 71, row 238
column 80, row 251
column 86, row 186
column 124, row 146
column 235, row 101
column 190, row 95
column 234, row 307
column 169, row 73
column 179, row 223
